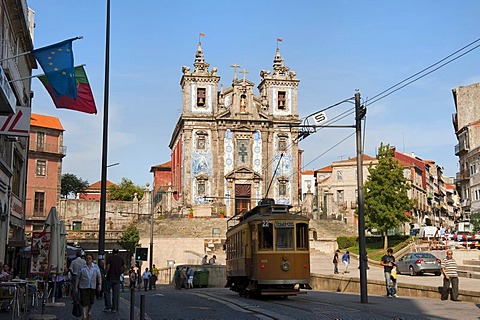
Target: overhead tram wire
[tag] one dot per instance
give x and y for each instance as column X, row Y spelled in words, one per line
column 387, row 92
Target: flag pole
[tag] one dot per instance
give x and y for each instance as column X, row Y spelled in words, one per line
column 28, row 52
column 39, row 75
column 103, row 185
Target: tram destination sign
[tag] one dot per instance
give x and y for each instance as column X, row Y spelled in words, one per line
column 283, row 224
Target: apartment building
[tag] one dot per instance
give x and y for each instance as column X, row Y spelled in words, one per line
column 45, row 154
column 466, row 123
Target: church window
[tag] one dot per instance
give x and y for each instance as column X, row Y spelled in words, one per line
column 201, row 96
column 243, row 151
column 201, row 142
column 282, row 144
column 281, row 98
column 282, row 189
column 201, row 187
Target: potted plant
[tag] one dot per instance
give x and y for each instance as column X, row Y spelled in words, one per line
column 221, row 213
column 190, row 212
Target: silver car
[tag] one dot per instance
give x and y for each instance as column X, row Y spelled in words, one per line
column 415, row 263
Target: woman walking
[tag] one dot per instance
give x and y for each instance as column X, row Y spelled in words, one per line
column 88, row 281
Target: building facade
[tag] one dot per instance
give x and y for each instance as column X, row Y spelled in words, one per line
column 337, row 189
column 16, row 25
column 230, row 147
column 45, row 155
column 466, row 123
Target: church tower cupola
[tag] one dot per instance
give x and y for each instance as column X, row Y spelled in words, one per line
column 199, row 87
column 279, row 89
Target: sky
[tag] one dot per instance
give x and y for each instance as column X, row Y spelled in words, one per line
column 335, row 48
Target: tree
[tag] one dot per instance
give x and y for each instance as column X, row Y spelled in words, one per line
column 130, row 238
column 72, row 185
column 475, row 220
column 124, row 191
column 386, row 198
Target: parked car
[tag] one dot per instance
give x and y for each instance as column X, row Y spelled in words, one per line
column 415, row 263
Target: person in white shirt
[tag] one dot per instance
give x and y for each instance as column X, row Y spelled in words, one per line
column 89, row 279
column 75, row 266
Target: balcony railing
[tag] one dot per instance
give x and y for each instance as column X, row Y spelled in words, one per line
column 48, row 148
column 461, row 148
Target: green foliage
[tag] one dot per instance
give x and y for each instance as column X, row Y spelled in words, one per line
column 475, row 220
column 347, row 242
column 71, row 185
column 386, row 198
column 125, row 191
column 130, row 238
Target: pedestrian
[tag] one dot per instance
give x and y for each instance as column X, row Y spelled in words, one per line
column 139, row 278
column 176, row 277
column 205, row 260
column 450, row 276
column 335, row 261
column 183, row 278
column 75, row 266
column 346, row 261
column 190, row 274
column 122, row 280
column 115, row 267
column 101, row 267
column 88, row 281
column 146, row 278
column 153, row 278
column 213, row 260
column 389, row 268
column 132, row 277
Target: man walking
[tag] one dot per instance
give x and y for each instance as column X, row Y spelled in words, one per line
column 450, row 276
column 115, row 267
column 75, row 267
column 335, row 261
column 388, row 263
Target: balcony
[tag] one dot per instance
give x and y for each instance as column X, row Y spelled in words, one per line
column 461, row 148
column 47, row 148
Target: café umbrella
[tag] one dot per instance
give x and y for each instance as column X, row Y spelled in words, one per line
column 57, row 243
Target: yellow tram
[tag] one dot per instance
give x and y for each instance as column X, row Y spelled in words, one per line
column 267, row 251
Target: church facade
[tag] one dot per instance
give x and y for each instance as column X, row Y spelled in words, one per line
column 231, row 147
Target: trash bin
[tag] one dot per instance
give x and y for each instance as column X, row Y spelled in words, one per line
column 200, row 278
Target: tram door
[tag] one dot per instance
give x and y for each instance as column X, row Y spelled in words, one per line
column 242, row 197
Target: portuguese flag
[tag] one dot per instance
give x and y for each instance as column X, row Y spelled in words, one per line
column 84, row 102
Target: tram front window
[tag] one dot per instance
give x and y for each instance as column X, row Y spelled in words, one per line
column 284, row 238
column 265, row 236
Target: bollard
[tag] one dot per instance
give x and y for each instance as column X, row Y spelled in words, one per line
column 142, row 307
column 132, row 303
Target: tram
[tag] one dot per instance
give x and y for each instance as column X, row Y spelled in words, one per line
column 267, row 251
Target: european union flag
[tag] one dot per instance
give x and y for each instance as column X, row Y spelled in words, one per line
column 57, row 64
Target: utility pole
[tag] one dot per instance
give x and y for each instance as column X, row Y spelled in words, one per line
column 152, row 207
column 360, row 112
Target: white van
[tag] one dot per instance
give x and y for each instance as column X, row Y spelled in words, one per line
column 427, row 232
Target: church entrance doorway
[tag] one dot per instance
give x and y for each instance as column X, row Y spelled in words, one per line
column 242, row 198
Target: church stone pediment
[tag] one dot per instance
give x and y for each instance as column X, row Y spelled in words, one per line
column 243, row 173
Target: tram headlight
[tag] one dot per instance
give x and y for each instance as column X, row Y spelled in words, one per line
column 285, row 265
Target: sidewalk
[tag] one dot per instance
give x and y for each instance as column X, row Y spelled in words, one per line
column 322, row 264
column 63, row 310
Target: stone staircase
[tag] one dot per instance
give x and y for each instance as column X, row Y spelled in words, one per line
column 469, row 269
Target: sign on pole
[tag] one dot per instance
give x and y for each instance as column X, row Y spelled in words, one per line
column 319, row 117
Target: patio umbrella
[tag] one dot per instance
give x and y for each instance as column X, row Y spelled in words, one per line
column 57, row 245
column 52, row 225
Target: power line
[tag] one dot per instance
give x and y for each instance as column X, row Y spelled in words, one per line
column 384, row 93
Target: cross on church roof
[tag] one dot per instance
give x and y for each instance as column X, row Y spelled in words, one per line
column 244, row 72
column 235, row 66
